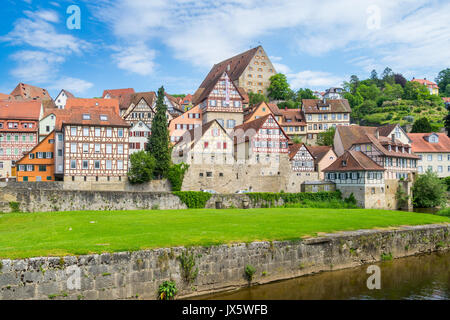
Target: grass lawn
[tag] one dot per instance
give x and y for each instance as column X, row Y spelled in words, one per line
column 25, row 235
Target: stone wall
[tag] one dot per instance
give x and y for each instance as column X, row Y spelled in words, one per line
column 138, row 274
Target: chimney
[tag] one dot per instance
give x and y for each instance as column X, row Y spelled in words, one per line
column 393, row 138
column 377, row 134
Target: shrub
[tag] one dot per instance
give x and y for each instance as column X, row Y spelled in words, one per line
column 249, row 272
column 176, row 175
column 444, row 212
column 167, row 290
column 142, row 167
column 351, row 199
column 14, row 206
column 429, row 191
column 268, row 199
column 193, row 199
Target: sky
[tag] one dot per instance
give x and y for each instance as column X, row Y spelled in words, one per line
column 143, row 44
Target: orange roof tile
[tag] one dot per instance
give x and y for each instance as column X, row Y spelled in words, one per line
column 419, row 144
column 354, row 161
column 20, row 110
column 29, row 92
column 426, row 82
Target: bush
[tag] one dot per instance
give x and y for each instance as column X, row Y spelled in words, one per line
column 269, row 199
column 176, row 175
column 14, row 206
column 249, row 272
column 187, row 261
column 142, row 167
column 447, row 182
column 351, row 199
column 193, row 199
column 444, row 212
column 167, row 290
column 429, row 191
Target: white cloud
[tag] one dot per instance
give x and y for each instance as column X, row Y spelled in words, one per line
column 35, row 66
column 315, row 80
column 410, row 33
column 73, row 85
column 136, row 59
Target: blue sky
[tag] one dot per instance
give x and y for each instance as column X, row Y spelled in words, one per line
column 148, row 43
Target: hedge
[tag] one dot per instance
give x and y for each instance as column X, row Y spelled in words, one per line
column 193, row 199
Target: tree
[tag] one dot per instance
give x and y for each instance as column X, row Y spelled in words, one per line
column 374, row 75
column 304, row 94
column 354, row 83
column 369, row 92
column 326, row 138
column 447, row 122
column 142, row 167
column 446, row 93
column 393, row 92
column 388, row 76
column 256, row 98
column 176, row 175
column 297, row 140
column 443, row 79
column 429, row 191
column 158, row 141
column 400, row 79
column 279, row 87
column 353, row 99
column 421, row 125
column 416, row 91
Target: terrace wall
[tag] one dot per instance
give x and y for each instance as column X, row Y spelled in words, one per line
column 132, row 275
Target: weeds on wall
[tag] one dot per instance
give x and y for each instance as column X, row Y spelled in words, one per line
column 176, row 175
column 14, row 206
column 189, row 270
column 249, row 272
column 193, row 199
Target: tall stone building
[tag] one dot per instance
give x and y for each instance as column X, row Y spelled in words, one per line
column 250, row 70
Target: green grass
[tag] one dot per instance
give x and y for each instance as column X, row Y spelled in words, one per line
column 72, row 233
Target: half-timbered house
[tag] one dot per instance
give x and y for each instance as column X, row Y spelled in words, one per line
column 95, row 144
column 139, row 134
column 189, row 120
column 355, row 173
column 220, row 100
column 61, row 98
column 19, row 123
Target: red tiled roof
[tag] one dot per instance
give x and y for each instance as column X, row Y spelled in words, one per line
column 336, row 105
column 419, row 144
column 92, row 103
column 426, row 82
column 318, row 152
column 295, row 147
column 354, row 161
column 117, row 92
column 295, row 115
column 18, row 110
column 446, row 100
column 5, row 96
column 29, row 92
column 74, row 116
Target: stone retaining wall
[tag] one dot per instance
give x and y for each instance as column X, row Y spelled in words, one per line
column 137, row 275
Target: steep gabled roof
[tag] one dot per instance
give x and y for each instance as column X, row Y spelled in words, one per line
column 6, row 96
column 68, row 94
column 354, row 161
column 254, row 126
column 29, row 92
column 426, row 82
column 237, row 65
column 74, row 116
column 123, row 95
column 117, row 92
column 194, row 135
column 92, row 103
column 295, row 147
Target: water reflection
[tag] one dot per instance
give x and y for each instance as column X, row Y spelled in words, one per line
column 418, row 277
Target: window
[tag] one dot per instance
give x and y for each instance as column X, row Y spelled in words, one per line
column 120, row 165
column 60, row 153
column 109, row 148
column 103, row 117
column 109, row 132
column 430, row 157
column 86, row 116
column 73, row 164
column 439, row 157
column 440, row 169
column 108, row 164
column 97, row 132
column 30, row 167
column 120, row 133
column 120, row 148
column 42, row 168
column 85, row 148
column 73, row 147
column 209, row 174
column 97, row 148
column 85, row 164
column 205, row 145
column 73, row 131
column 97, row 164
column 60, row 137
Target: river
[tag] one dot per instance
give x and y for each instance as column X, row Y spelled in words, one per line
column 417, row 277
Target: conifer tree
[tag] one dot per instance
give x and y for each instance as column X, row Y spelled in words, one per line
column 158, row 141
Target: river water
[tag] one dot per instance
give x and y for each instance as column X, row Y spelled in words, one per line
column 417, row 277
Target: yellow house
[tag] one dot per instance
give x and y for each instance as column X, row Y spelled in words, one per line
column 432, row 87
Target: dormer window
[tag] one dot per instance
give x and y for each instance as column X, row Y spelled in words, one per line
column 344, row 163
column 86, row 116
column 389, row 148
column 433, row 139
column 103, row 117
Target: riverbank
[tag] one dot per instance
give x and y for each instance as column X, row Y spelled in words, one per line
column 137, row 275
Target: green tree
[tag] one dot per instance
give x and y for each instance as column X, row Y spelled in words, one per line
column 429, row 191
column 447, row 122
column 416, row 91
column 446, row 93
column 369, row 92
column 142, row 167
column 176, row 175
column 326, row 138
column 279, row 87
column 422, row 125
column 158, row 141
column 388, row 76
column 353, row 99
column 443, row 79
column 304, row 94
column 255, row 98
column 393, row 92
column 297, row 140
